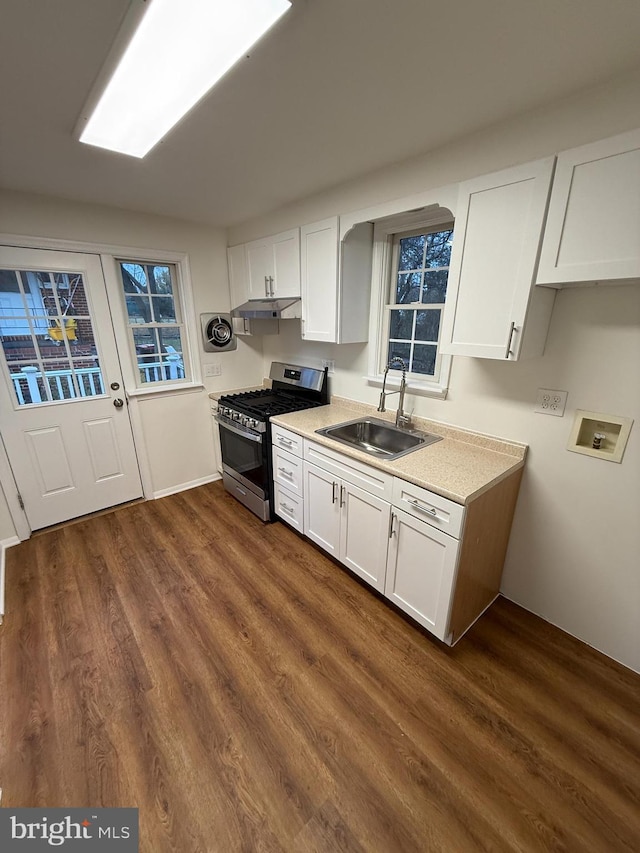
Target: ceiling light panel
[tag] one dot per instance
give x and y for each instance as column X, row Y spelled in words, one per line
column 180, row 49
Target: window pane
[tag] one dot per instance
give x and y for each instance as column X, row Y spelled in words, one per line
column 397, row 350
column 435, row 287
column 170, row 340
column 439, row 245
column 424, row 359
column 138, row 309
column 411, row 253
column 408, row 288
column 159, row 279
column 401, row 324
column 134, row 278
column 427, row 325
column 145, row 341
column 164, row 310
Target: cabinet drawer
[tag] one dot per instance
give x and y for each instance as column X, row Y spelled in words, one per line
column 287, row 471
column 289, row 508
column 357, row 473
column 444, row 514
column 286, row 440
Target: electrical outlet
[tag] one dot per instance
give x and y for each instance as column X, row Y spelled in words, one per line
column 330, row 364
column 213, row 369
column 550, row 402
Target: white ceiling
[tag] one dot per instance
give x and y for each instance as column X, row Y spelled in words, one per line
column 337, row 89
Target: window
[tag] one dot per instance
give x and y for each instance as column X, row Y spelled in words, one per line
column 411, row 257
column 417, row 290
column 157, row 334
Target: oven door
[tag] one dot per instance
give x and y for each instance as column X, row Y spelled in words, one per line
column 244, row 457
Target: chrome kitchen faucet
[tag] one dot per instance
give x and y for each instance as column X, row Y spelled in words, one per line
column 402, row 420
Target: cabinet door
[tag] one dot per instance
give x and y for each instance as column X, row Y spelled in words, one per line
column 497, row 234
column 238, row 277
column 364, row 534
column 259, row 268
column 319, row 279
column 285, row 264
column 593, row 226
column 322, row 508
column 421, row 571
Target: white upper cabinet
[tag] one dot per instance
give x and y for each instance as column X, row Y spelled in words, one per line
column 273, row 266
column 593, row 226
column 238, row 277
column 493, row 309
column 335, row 282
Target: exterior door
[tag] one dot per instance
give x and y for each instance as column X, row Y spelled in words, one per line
column 63, row 412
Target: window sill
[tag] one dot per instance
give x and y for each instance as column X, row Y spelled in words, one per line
column 414, row 386
column 165, row 390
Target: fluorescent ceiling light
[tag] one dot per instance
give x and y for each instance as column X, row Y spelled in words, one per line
column 179, row 50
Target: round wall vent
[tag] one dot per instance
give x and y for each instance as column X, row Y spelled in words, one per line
column 217, row 333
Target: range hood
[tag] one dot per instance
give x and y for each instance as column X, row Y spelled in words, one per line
column 269, row 309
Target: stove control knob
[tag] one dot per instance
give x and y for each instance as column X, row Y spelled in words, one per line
column 253, row 423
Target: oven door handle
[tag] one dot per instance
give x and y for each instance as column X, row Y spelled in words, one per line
column 248, row 435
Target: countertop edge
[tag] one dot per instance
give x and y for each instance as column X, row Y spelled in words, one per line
column 464, row 499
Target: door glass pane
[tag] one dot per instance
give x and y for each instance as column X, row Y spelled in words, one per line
column 40, row 336
column 28, row 384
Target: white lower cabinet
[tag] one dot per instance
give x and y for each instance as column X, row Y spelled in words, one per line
column 348, row 523
column 438, row 561
column 420, row 573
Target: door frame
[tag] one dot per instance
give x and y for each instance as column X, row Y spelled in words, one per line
column 107, row 253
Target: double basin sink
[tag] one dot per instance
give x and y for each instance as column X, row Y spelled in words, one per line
column 379, row 438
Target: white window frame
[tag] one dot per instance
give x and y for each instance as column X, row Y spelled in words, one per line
column 184, row 305
column 382, row 276
column 180, row 324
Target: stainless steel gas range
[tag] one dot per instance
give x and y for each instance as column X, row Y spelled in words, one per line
column 245, row 431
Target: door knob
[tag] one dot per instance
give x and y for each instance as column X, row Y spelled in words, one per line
column 118, row 403
column 115, row 386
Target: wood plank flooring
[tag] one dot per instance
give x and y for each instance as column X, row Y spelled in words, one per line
column 247, row 694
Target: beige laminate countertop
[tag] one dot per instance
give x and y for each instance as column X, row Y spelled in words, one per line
column 460, row 467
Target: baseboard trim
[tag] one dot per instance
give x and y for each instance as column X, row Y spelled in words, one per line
column 173, row 490
column 624, row 663
column 4, row 544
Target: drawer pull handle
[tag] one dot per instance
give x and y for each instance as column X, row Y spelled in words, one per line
column 286, row 441
column 429, row 510
column 287, row 509
column 286, row 473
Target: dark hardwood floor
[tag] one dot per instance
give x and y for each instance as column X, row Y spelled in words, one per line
column 247, row 694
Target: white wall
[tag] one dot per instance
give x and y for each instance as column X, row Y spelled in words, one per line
column 177, row 428
column 574, row 550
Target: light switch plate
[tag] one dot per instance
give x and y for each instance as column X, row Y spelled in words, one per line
column 330, row 364
column 550, row 402
column 213, row 370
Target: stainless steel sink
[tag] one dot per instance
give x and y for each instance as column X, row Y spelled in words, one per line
column 378, row 438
